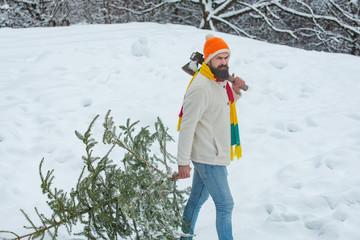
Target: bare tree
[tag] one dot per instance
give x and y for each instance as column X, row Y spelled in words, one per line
column 328, row 25
column 332, row 25
column 36, row 13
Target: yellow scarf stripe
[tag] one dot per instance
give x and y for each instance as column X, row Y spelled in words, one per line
column 237, row 153
column 179, row 123
column 233, row 117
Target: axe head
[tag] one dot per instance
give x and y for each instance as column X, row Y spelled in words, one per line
column 192, row 66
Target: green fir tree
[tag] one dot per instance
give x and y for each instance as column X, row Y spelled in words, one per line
column 135, row 198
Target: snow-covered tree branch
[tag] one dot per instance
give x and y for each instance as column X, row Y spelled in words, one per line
column 328, row 25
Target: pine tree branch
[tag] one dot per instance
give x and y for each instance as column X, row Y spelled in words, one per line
column 10, row 232
column 139, row 157
column 43, row 222
column 61, row 222
column 29, row 220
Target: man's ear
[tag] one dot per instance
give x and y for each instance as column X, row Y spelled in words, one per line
column 209, row 63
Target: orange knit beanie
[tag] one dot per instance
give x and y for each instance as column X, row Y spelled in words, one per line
column 213, row 46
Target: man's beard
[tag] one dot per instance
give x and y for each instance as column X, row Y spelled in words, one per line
column 221, row 72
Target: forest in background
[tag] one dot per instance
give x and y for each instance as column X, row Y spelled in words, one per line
column 322, row 25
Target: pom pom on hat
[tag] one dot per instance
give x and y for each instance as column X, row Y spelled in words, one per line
column 214, row 46
column 209, row 35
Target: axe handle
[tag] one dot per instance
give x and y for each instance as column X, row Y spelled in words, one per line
column 243, row 87
column 191, row 72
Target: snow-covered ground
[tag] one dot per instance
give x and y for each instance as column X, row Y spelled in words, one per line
column 299, row 121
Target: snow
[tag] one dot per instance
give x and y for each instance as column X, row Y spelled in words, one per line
column 299, row 121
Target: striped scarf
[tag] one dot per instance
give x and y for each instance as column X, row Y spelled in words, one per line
column 235, row 137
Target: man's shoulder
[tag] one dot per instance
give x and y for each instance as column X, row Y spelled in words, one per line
column 201, row 81
column 199, row 88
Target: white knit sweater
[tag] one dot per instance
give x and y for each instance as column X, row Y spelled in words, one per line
column 204, row 135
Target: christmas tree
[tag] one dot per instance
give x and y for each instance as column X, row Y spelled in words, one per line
column 132, row 198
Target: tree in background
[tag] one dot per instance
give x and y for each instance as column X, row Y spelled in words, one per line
column 326, row 25
column 36, row 13
column 329, row 25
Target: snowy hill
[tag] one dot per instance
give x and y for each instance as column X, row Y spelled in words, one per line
column 299, row 121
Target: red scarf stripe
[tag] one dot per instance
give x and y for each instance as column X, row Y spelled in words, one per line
column 230, row 93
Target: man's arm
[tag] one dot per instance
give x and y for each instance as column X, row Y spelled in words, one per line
column 236, row 86
column 195, row 103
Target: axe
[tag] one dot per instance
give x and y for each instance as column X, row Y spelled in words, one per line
column 192, row 66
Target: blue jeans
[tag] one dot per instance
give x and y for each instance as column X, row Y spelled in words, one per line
column 209, row 180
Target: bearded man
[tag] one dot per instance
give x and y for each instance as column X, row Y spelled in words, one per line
column 208, row 134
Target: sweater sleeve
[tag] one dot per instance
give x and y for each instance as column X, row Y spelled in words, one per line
column 195, row 104
column 237, row 96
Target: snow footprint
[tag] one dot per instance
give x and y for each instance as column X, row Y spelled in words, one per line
column 281, row 96
column 10, row 98
column 278, row 135
column 306, row 90
column 354, row 116
column 87, row 102
column 310, row 122
column 258, row 130
column 278, row 65
column 287, row 127
column 38, row 57
column 340, row 215
column 355, row 136
column 315, row 225
column 279, row 213
column 292, row 128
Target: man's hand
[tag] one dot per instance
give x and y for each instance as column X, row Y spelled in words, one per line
column 184, row 171
column 236, row 85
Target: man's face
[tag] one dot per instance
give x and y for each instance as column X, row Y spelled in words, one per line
column 219, row 65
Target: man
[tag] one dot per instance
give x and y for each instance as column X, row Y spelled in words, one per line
column 205, row 137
